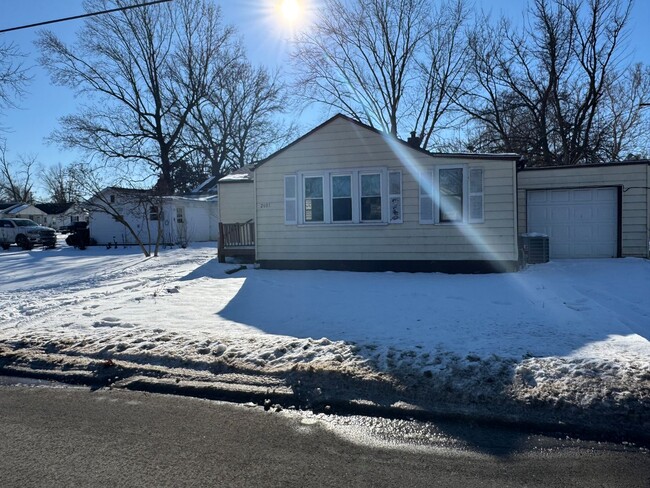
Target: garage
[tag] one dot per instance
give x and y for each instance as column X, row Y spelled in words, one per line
column 580, row 222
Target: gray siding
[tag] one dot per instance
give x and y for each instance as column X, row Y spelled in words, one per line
column 341, row 145
column 634, row 180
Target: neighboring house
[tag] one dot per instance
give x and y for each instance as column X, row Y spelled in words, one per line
column 346, row 196
column 590, row 211
column 59, row 214
column 182, row 219
column 23, row 211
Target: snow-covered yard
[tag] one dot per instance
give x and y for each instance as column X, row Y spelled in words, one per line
column 570, row 333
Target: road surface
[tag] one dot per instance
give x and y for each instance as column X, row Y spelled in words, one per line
column 77, row 437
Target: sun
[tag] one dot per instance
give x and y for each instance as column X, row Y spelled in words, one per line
column 291, row 11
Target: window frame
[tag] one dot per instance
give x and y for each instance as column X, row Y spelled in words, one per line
column 335, row 174
column 431, row 177
column 323, row 197
column 355, row 181
column 463, row 195
column 382, row 199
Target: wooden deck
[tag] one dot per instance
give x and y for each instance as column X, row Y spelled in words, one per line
column 237, row 240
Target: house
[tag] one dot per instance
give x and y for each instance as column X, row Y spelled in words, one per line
column 182, row 219
column 60, row 214
column 347, row 196
column 23, row 211
column 588, row 211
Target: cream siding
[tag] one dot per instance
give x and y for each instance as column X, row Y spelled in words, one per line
column 236, row 202
column 343, row 145
column 632, row 178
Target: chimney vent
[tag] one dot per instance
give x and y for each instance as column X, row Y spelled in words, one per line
column 414, row 141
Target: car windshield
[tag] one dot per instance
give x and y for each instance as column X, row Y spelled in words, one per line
column 25, row 223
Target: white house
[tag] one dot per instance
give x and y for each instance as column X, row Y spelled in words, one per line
column 346, row 196
column 181, row 219
column 24, row 211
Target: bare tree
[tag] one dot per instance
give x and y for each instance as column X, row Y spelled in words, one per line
column 145, row 71
column 239, row 122
column 13, row 75
column 112, row 193
column 541, row 90
column 60, row 184
column 17, row 177
column 626, row 123
column 358, row 56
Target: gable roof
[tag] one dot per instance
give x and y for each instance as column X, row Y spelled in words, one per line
column 53, row 208
column 499, row 156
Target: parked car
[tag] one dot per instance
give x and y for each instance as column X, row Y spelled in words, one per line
column 25, row 233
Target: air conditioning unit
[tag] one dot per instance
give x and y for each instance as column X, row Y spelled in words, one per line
column 534, row 248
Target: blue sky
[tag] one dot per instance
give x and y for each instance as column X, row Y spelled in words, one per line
column 264, row 38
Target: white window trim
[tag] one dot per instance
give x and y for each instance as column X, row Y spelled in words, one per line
column 326, row 198
column 431, row 176
column 332, row 174
column 383, row 191
column 465, row 188
column 356, row 196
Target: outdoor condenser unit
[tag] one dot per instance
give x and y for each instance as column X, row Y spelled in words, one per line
column 535, row 248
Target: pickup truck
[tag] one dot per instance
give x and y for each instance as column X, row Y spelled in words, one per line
column 25, row 233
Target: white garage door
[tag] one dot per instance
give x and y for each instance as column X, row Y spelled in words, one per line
column 580, row 222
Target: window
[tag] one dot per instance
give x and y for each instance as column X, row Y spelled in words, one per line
column 370, row 197
column 112, row 198
column 180, row 215
column 290, row 207
column 313, row 191
column 450, row 186
column 451, row 195
column 342, row 198
column 153, row 212
column 426, row 197
column 395, row 196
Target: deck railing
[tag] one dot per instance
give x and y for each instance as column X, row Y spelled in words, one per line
column 236, row 238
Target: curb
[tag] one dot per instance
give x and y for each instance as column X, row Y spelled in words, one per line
column 286, row 397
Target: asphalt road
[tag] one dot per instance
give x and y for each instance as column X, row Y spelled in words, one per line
column 76, row 437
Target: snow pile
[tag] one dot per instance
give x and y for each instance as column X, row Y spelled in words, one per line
column 572, row 333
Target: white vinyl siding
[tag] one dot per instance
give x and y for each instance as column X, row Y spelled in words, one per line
column 237, row 202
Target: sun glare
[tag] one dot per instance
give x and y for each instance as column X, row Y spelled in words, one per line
column 290, row 11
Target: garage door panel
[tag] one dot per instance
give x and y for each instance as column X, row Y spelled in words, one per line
column 558, row 196
column 580, row 223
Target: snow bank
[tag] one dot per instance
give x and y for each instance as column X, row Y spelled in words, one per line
column 570, row 333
